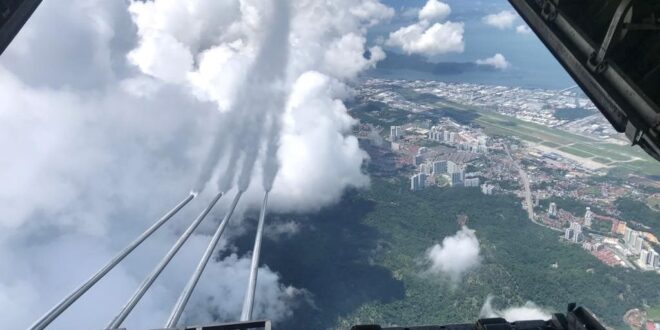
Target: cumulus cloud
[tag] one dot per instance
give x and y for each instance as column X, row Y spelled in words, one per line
column 455, row 256
column 372, row 12
column 497, row 62
column 527, row 311
column 110, row 118
column 430, row 36
column 502, row 20
column 523, row 29
column 434, row 11
column 275, row 231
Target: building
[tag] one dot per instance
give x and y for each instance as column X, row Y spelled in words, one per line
column 452, row 137
column 440, row 167
column 633, row 240
column 588, row 217
column 418, row 160
column 445, row 136
column 425, row 168
column 552, row 209
column 452, row 167
column 435, row 134
column 619, row 227
column 573, row 233
column 643, row 257
column 456, row 179
column 487, row 189
column 649, row 259
column 414, row 182
column 418, row 181
column 471, row 182
column 395, row 133
column 627, row 235
column 422, row 180
column 568, row 234
column 422, row 150
column 637, row 247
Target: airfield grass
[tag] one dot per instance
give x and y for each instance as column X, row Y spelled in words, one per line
column 625, row 158
column 576, row 152
column 602, row 160
column 622, row 160
column 550, row 144
column 653, row 313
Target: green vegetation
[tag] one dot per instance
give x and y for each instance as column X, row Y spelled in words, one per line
column 630, row 160
column 639, row 212
column 379, row 113
column 623, row 159
column 363, row 261
column 602, row 160
column 653, row 313
column 572, row 113
column 601, row 226
column 516, row 261
column 653, row 203
column 577, row 208
column 576, row 152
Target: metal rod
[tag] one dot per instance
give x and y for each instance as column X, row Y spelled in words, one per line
column 248, row 303
column 55, row 312
column 190, row 287
column 144, row 286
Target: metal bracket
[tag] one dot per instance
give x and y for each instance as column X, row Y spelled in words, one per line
column 549, row 10
column 597, row 62
column 633, row 133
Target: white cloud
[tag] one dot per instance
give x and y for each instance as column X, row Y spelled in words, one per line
column 107, row 120
column 434, row 11
column 502, row 20
column 455, row 256
column 372, row 11
column 428, row 38
column 439, row 38
column 497, row 61
column 528, row 311
column 523, row 29
column 275, row 231
column 345, row 56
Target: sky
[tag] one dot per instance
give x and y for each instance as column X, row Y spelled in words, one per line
column 111, row 112
column 531, row 64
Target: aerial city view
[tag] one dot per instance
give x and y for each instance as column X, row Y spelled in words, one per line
column 392, row 162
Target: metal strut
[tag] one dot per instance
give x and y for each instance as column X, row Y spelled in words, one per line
column 144, row 286
column 248, row 303
column 56, row 311
column 190, row 287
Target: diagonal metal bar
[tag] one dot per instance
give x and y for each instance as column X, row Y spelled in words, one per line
column 144, row 286
column 248, row 303
column 181, row 303
column 56, row 311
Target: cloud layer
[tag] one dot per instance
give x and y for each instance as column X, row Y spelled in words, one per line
column 107, row 121
column 431, row 35
column 502, row 20
column 497, row 62
column 455, row 256
column 434, row 11
column 528, row 311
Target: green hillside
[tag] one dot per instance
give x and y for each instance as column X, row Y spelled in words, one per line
column 361, row 262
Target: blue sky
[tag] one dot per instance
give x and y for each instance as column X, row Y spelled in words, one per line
column 532, row 65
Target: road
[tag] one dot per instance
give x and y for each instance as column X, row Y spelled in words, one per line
column 525, row 182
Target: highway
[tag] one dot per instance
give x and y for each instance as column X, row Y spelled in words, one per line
column 525, row 182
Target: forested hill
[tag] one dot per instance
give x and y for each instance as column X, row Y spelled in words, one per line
column 361, row 261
